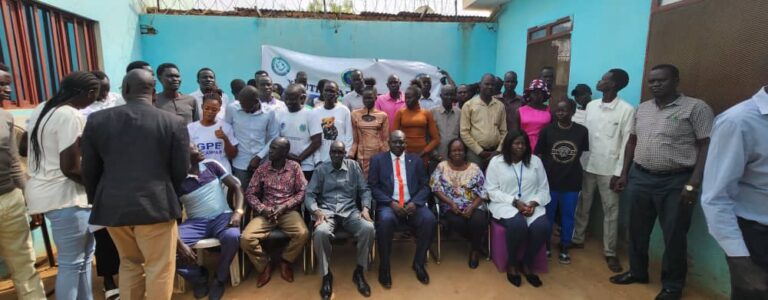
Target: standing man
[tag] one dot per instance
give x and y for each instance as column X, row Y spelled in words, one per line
column 335, row 121
column 447, row 118
column 391, row 102
column 354, row 99
column 608, row 121
column 275, row 194
column 301, row 78
column 332, row 198
column 255, row 127
column 236, row 85
column 173, row 101
column 483, row 124
column 398, row 184
column 663, row 167
column 267, row 98
column 206, row 80
column 547, row 74
column 300, row 128
column 427, row 102
column 512, row 101
column 733, row 195
column 106, row 98
column 134, row 188
column 582, row 94
column 15, row 238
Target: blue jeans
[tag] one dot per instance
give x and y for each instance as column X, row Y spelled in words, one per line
column 75, row 245
column 566, row 202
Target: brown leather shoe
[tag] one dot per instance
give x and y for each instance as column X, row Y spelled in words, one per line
column 613, row 264
column 265, row 276
column 286, row 270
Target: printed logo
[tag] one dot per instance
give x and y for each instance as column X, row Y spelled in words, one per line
column 280, row 66
column 346, row 77
column 303, row 127
column 564, row 152
column 329, row 128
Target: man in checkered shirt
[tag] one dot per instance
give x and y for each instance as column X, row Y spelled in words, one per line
column 663, row 168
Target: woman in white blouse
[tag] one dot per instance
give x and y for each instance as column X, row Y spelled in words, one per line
column 518, row 189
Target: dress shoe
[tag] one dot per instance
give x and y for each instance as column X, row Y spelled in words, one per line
column 200, row 288
column 667, row 294
column 265, row 276
column 533, row 279
column 577, row 245
column 421, row 274
column 286, row 271
column 474, row 260
column 217, row 290
column 613, row 264
column 359, row 279
column 515, row 279
column 327, row 289
column 627, row 278
column 385, row 278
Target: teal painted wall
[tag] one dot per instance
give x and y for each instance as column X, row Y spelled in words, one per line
column 232, row 45
column 608, row 34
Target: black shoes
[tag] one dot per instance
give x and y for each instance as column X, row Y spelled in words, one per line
column 217, row 290
column 667, row 294
column 359, row 279
column 515, row 279
column 200, row 289
column 327, row 289
column 627, row 278
column 474, row 260
column 421, row 274
column 385, row 278
column 533, row 279
column 613, row 264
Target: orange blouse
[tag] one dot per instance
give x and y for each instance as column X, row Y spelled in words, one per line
column 419, row 127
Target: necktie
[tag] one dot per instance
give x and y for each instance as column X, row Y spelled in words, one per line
column 400, row 187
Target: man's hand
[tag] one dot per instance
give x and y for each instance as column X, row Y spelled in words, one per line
column 399, row 211
column 254, row 164
column 234, row 221
column 276, row 213
column 455, row 209
column 37, row 220
column 486, row 154
column 220, row 134
column 619, row 184
column 187, row 257
column 365, row 214
column 319, row 218
column 410, row 208
column 689, row 198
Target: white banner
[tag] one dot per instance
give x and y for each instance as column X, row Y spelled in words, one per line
column 283, row 64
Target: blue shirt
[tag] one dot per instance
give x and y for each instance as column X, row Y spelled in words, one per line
column 202, row 195
column 254, row 131
column 736, row 174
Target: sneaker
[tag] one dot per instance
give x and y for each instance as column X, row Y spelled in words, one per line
column 564, row 258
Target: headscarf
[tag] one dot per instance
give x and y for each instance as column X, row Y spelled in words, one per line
column 537, row 84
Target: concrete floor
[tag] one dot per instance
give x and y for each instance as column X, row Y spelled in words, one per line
column 586, row 278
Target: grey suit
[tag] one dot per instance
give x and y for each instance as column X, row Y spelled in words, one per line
column 337, row 194
column 135, row 157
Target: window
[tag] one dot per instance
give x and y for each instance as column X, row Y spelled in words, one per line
column 41, row 45
column 552, row 30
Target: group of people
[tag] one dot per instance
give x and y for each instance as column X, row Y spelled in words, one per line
column 366, row 163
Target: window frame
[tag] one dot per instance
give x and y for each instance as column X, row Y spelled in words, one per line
column 549, row 27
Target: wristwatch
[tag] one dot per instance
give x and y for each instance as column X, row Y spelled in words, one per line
column 690, row 188
column 239, row 211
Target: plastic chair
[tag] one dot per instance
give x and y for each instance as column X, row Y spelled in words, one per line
column 441, row 225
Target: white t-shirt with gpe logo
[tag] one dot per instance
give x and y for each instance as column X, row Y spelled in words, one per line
column 209, row 145
column 298, row 128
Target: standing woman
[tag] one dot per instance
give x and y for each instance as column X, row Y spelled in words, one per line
column 370, row 127
column 55, row 188
column 419, row 126
column 213, row 136
column 517, row 186
column 535, row 115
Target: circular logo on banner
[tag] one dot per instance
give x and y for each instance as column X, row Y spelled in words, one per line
column 346, row 77
column 564, row 151
column 280, row 66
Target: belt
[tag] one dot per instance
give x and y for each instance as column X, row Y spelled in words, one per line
column 663, row 172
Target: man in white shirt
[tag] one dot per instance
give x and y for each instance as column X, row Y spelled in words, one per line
column 335, row 121
column 608, row 121
column 106, row 98
column 267, row 98
column 354, row 99
column 299, row 127
column 206, row 79
column 427, row 102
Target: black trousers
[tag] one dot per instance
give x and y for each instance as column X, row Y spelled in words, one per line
column 107, row 259
column 651, row 196
column 473, row 229
column 749, row 275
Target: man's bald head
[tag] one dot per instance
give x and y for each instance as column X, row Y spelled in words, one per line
column 397, row 142
column 138, row 84
column 397, row 135
column 337, row 145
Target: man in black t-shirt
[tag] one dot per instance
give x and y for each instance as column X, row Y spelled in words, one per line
column 560, row 146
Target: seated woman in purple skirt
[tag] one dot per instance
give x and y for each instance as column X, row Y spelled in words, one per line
column 208, row 216
column 518, row 189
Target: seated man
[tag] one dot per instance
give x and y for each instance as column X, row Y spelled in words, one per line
column 332, row 197
column 208, row 216
column 398, row 183
column 275, row 192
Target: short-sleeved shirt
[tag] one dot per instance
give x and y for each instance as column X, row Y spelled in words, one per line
column 299, row 127
column 448, row 125
column 49, row 189
column 353, row 101
column 209, row 145
column 560, row 150
column 183, row 106
column 202, row 195
column 666, row 136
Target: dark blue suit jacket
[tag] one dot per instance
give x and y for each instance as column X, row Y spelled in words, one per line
column 382, row 183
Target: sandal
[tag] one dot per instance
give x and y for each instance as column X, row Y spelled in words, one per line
column 113, row 294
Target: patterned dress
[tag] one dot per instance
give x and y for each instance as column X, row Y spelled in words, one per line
column 371, row 134
column 460, row 186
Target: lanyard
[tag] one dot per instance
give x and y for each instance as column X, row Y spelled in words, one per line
column 519, row 181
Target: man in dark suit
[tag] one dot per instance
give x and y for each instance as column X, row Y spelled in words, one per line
column 398, row 184
column 135, row 157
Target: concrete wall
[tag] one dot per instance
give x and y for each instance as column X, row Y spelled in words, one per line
column 232, row 45
column 608, row 34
